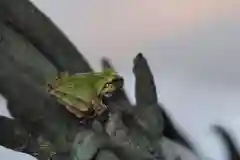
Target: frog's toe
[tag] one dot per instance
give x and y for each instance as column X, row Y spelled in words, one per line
column 103, row 105
column 44, row 146
column 52, row 154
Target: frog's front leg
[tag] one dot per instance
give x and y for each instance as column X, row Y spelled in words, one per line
column 45, row 150
column 98, row 106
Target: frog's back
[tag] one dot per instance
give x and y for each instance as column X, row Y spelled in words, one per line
column 80, row 85
column 85, row 79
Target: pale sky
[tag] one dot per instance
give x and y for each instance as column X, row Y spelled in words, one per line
column 192, row 48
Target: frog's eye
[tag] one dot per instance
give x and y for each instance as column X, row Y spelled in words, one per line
column 109, row 86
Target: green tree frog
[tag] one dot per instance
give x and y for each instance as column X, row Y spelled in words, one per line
column 83, row 93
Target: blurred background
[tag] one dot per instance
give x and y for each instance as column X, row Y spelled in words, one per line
column 192, row 47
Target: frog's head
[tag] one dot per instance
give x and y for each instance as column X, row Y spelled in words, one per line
column 109, row 83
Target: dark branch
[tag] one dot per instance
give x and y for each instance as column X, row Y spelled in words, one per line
column 15, row 136
column 233, row 151
column 145, row 90
column 173, row 133
column 155, row 116
column 38, row 29
column 29, row 104
column 27, row 58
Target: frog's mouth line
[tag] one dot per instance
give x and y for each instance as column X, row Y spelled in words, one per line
column 108, row 95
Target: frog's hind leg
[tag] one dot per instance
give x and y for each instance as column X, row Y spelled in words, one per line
column 83, row 119
column 73, row 110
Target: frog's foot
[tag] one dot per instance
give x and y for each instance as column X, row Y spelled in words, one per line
column 52, row 154
column 48, row 157
column 46, row 151
column 44, row 146
column 103, row 105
